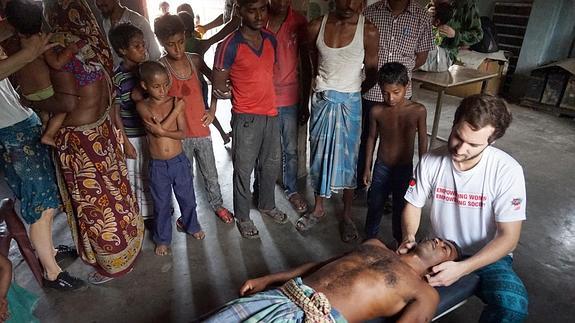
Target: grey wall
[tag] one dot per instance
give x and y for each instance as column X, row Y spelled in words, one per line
column 549, row 36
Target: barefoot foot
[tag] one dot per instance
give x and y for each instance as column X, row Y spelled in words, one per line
column 161, row 250
column 200, row 235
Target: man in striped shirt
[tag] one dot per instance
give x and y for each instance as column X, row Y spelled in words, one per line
column 404, row 37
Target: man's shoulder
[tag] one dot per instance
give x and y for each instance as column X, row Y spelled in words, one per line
column 374, row 9
column 501, row 159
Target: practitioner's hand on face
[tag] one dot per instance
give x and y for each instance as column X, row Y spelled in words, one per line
column 33, row 46
column 252, row 286
column 446, row 273
column 446, row 31
column 406, row 245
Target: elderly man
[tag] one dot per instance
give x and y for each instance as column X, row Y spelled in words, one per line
column 367, row 283
column 114, row 13
column 478, row 201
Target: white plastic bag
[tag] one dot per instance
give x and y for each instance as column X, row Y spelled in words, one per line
column 438, row 60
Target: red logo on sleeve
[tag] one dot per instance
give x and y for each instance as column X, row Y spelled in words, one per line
column 412, row 184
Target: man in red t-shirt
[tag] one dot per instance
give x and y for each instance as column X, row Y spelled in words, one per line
column 246, row 60
column 289, row 28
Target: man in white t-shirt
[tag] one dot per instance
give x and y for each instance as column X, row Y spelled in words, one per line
column 477, row 197
column 114, row 13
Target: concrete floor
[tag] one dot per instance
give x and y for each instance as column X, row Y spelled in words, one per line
column 201, row 275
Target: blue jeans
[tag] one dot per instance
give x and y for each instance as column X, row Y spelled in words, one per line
column 166, row 175
column 503, row 293
column 288, row 130
column 385, row 180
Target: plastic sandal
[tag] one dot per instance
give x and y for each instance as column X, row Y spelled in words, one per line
column 276, row 215
column 247, row 229
column 307, row 221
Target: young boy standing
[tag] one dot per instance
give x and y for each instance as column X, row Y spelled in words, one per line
column 395, row 122
column 246, row 58
column 128, row 42
column 184, row 76
column 169, row 166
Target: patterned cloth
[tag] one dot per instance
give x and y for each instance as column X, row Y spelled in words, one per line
column 21, row 305
column 124, row 82
column 75, row 16
column 334, row 135
column 268, row 306
column 400, row 38
column 28, row 169
column 503, row 293
column 107, row 227
column 467, row 26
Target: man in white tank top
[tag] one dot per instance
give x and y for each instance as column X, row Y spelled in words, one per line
column 345, row 44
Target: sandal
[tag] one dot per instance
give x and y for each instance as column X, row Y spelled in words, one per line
column 247, row 229
column 276, row 215
column 348, row 231
column 307, row 221
column 96, row 278
column 298, row 203
column 225, row 215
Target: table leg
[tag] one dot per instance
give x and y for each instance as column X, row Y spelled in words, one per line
column 483, row 86
column 436, row 117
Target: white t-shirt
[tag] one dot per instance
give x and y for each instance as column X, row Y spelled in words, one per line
column 11, row 111
column 465, row 206
column 139, row 21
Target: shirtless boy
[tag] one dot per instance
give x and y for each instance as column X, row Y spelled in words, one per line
column 169, row 167
column 395, row 122
column 368, row 283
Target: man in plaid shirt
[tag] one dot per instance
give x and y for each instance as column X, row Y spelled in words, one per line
column 405, row 37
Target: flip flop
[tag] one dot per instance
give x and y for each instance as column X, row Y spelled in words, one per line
column 276, row 215
column 248, row 229
column 307, row 221
column 225, row 215
column 348, row 231
column 298, row 203
column 96, row 278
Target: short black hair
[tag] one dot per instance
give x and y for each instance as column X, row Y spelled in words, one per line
column 148, row 69
column 188, row 21
column 443, row 12
column 481, row 110
column 25, row 16
column 393, row 73
column 242, row 3
column 121, row 34
column 167, row 26
column 458, row 250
